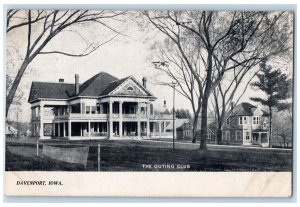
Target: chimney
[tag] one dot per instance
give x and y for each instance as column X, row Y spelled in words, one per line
column 145, row 82
column 61, row 80
column 76, row 84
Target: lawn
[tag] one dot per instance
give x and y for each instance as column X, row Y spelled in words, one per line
column 150, row 156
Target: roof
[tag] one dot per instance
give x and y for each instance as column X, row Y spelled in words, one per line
column 51, row 90
column 99, row 85
column 245, row 109
column 178, row 123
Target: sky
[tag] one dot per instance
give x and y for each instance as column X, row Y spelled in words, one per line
column 125, row 55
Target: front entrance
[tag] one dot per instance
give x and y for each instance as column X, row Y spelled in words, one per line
column 256, row 138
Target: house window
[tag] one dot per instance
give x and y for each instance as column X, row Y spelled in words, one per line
column 227, row 135
column 47, row 129
column 87, row 109
column 228, row 121
column 256, row 119
column 247, row 135
column 129, row 88
column 208, row 135
column 98, row 108
column 238, row 135
column 93, row 109
column 240, row 120
column 245, row 120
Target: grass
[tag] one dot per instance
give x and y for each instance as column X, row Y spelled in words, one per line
column 131, row 155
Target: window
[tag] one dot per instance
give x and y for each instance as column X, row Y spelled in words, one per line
column 238, row 135
column 228, row 121
column 208, row 135
column 87, row 109
column 256, row 119
column 98, row 108
column 93, row 109
column 48, row 129
column 227, row 135
column 247, row 135
column 240, row 120
column 129, row 88
column 245, row 120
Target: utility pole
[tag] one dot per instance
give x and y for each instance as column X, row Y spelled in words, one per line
column 174, row 129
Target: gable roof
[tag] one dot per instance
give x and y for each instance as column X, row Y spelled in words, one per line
column 113, row 85
column 245, row 109
column 100, row 84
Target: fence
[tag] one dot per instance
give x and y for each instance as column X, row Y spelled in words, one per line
column 65, row 153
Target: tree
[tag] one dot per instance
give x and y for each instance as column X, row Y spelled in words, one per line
column 183, row 114
column 43, row 26
column 275, row 86
column 224, row 41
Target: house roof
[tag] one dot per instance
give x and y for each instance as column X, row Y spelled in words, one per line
column 99, row 85
column 245, row 109
column 178, row 123
column 50, row 90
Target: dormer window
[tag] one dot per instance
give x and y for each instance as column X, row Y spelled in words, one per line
column 129, row 88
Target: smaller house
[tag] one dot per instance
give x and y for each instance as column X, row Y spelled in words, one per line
column 184, row 130
column 246, row 125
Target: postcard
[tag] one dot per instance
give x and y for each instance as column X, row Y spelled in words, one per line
column 149, row 103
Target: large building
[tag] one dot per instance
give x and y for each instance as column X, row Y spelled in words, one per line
column 101, row 107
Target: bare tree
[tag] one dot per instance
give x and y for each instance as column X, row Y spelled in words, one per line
column 43, row 26
column 226, row 40
column 225, row 96
column 173, row 67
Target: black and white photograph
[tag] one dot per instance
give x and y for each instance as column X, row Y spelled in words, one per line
column 148, row 91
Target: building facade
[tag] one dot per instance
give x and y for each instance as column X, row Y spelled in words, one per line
column 101, row 107
column 246, row 125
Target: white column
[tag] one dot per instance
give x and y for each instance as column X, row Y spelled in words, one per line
column 69, row 129
column 148, row 120
column 159, row 128
column 110, row 119
column 138, row 119
column 120, row 119
column 89, row 128
column 101, row 108
column 41, row 121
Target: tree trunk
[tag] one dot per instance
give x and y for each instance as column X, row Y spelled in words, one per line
column 219, row 135
column 14, row 87
column 270, row 133
column 195, row 126
column 203, row 131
